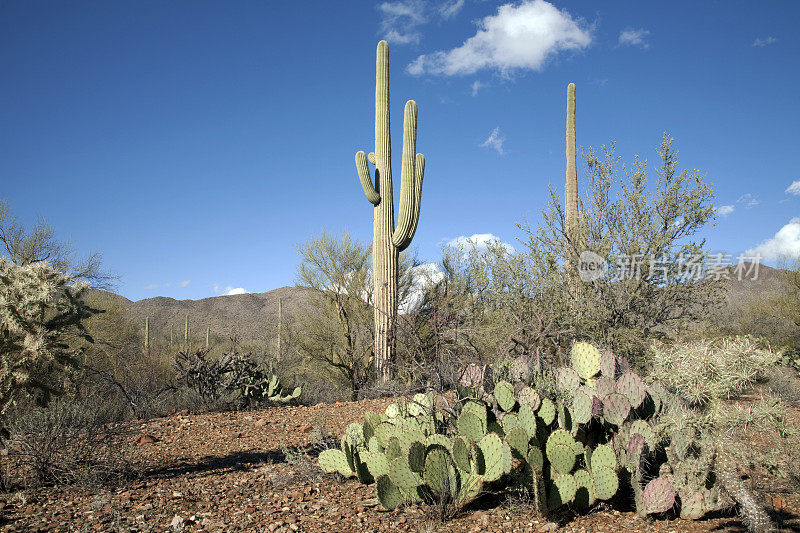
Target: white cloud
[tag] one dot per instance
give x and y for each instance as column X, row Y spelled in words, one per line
column 451, row 9
column 400, row 21
column 185, row 283
column 631, row 37
column 521, row 36
column 151, row 287
column 230, row 291
column 423, row 277
column 748, row 200
column 766, row 41
column 495, row 141
column 480, row 241
column 785, row 243
column 794, row 188
column 725, row 210
column 477, row 86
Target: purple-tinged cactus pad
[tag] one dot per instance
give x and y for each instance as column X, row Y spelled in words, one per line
column 528, row 396
column 623, row 365
column 604, row 387
column 658, row 496
column 632, row 387
column 567, row 380
column 597, row 407
column 608, row 364
column 642, row 427
column 581, row 407
column 635, row 445
column 616, row 408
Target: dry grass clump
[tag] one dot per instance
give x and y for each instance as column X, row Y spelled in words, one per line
column 66, row 443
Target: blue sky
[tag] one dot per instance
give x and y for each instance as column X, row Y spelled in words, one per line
column 196, row 143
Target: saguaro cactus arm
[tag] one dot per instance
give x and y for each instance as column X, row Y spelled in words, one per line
column 366, row 180
column 410, row 180
column 419, row 171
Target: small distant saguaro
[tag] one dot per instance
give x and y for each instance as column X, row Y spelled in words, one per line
column 186, row 333
column 280, row 329
column 147, row 333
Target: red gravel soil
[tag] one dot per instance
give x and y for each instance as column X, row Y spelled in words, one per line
column 256, row 471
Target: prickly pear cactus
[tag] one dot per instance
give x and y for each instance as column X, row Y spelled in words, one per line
column 601, row 437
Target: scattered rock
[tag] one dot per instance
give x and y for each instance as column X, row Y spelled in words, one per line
column 145, row 439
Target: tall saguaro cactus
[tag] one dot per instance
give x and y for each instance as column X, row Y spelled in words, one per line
column 387, row 240
column 571, row 187
column 147, row 333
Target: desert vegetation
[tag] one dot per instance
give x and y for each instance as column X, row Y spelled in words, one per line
column 518, row 380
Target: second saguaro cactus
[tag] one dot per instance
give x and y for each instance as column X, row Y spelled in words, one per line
column 388, row 241
column 571, row 187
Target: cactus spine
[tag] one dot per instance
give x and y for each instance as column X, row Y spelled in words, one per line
column 387, row 240
column 147, row 333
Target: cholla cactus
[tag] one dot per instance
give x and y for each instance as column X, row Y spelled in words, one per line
column 38, row 307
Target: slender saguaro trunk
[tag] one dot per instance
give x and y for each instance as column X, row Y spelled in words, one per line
column 571, row 199
column 147, row 333
column 388, row 241
column 571, row 187
column 186, row 333
column 208, row 336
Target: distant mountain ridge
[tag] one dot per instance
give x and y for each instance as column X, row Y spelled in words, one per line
column 250, row 316
column 254, row 316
